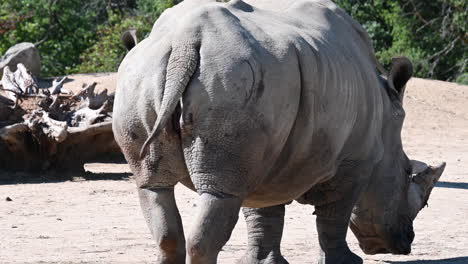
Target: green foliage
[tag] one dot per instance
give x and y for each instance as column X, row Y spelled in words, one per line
column 153, row 9
column 433, row 34
column 84, row 36
column 463, row 79
column 62, row 29
column 72, row 35
column 107, row 52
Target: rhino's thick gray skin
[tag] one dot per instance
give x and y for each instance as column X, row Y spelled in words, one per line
column 25, row 53
column 256, row 104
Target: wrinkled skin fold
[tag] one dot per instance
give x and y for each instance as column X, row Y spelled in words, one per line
column 255, row 104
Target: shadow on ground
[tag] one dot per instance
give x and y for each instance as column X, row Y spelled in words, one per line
column 459, row 260
column 453, row 185
column 7, row 178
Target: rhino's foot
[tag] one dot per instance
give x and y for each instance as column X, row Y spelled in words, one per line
column 265, row 229
column 341, row 257
column 169, row 259
column 251, row 257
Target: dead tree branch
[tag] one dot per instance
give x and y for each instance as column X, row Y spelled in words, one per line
column 52, row 130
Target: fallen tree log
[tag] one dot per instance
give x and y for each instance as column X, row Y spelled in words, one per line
column 50, row 129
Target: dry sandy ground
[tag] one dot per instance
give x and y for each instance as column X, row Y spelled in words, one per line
column 95, row 218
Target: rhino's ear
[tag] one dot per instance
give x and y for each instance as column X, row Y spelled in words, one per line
column 400, row 72
column 129, row 38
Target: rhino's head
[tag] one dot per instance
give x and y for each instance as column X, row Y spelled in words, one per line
column 383, row 218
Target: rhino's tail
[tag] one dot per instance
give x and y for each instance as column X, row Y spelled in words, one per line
column 180, row 68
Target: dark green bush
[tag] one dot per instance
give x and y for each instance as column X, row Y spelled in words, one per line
column 62, row 29
column 74, row 35
column 433, row 34
column 84, row 36
column 153, row 9
column 107, row 52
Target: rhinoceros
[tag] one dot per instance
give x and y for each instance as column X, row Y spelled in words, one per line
column 254, row 104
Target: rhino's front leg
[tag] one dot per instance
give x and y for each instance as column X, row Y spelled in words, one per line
column 334, row 201
column 163, row 219
column 212, row 227
column 265, row 230
column 332, row 238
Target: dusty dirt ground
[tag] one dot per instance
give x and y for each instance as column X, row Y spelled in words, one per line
column 95, row 217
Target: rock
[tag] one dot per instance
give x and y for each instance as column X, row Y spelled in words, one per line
column 8, row 199
column 25, row 53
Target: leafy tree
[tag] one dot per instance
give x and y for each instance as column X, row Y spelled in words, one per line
column 432, row 34
column 84, row 36
column 440, row 27
column 107, row 52
column 153, row 9
column 61, row 29
column 75, row 35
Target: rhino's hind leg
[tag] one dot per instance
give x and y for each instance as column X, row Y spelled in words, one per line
column 163, row 219
column 212, row 227
column 265, row 230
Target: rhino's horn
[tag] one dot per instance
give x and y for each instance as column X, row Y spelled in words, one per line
column 429, row 176
column 423, row 181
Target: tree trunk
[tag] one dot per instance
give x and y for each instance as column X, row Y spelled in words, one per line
column 44, row 129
